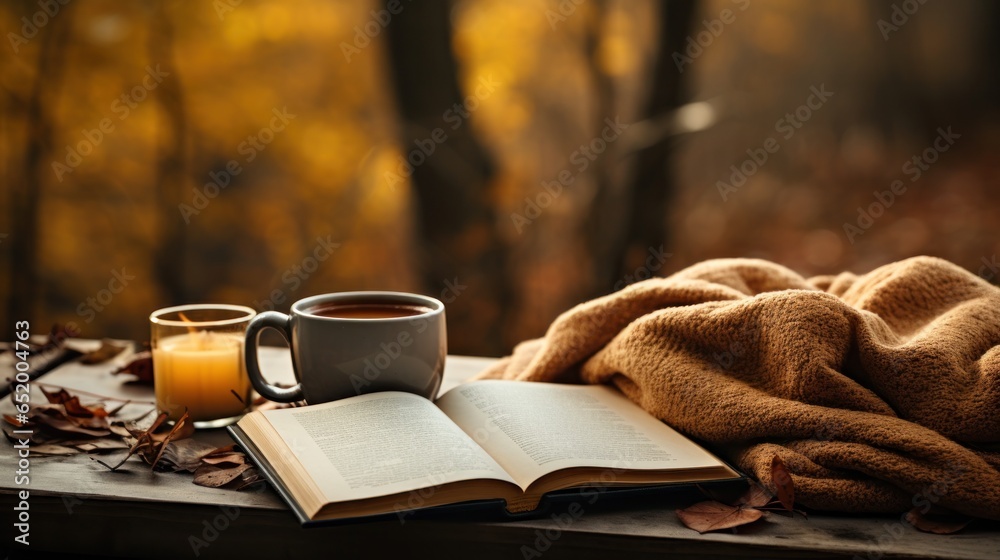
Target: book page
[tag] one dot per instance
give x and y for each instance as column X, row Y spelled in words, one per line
column 380, row 444
column 533, row 429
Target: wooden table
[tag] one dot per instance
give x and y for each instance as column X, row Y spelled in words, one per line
column 78, row 507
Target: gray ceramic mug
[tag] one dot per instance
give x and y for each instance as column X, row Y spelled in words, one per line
column 351, row 343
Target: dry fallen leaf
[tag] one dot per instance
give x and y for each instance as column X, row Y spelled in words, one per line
column 214, row 476
column 141, row 366
column 227, row 467
column 247, row 478
column 938, row 524
column 715, row 516
column 185, row 455
column 65, row 426
column 151, row 443
column 782, row 480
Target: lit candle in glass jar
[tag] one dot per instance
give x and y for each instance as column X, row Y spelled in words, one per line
column 198, row 362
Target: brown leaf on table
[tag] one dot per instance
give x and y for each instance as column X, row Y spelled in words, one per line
column 73, row 411
column 53, row 449
column 141, row 366
column 185, row 455
column 182, row 428
column 782, row 480
column 715, row 516
column 107, row 351
column 227, row 467
column 756, row 497
column 151, row 443
column 938, row 524
column 120, row 430
column 72, row 404
column 247, row 478
column 68, row 427
column 65, row 426
column 56, row 397
column 214, row 476
column 227, row 454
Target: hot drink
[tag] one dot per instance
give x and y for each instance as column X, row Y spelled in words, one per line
column 368, row 310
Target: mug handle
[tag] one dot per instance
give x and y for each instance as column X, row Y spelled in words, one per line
column 280, row 323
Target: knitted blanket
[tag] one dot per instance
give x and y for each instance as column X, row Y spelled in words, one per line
column 880, row 392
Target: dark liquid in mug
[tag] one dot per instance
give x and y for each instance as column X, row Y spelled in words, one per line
column 363, row 310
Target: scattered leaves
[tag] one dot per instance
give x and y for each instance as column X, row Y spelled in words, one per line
column 938, row 524
column 62, row 418
column 150, row 443
column 782, row 481
column 65, row 426
column 141, row 366
column 715, row 516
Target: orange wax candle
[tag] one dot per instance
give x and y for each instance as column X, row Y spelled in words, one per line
column 203, row 372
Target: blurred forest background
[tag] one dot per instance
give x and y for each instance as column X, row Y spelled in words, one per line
column 123, row 125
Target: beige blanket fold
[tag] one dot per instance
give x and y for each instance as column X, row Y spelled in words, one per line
column 881, row 392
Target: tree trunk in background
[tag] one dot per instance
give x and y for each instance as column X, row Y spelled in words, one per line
column 171, row 167
column 25, row 194
column 604, row 227
column 652, row 172
column 462, row 256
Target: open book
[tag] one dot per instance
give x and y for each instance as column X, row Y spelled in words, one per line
column 390, row 452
